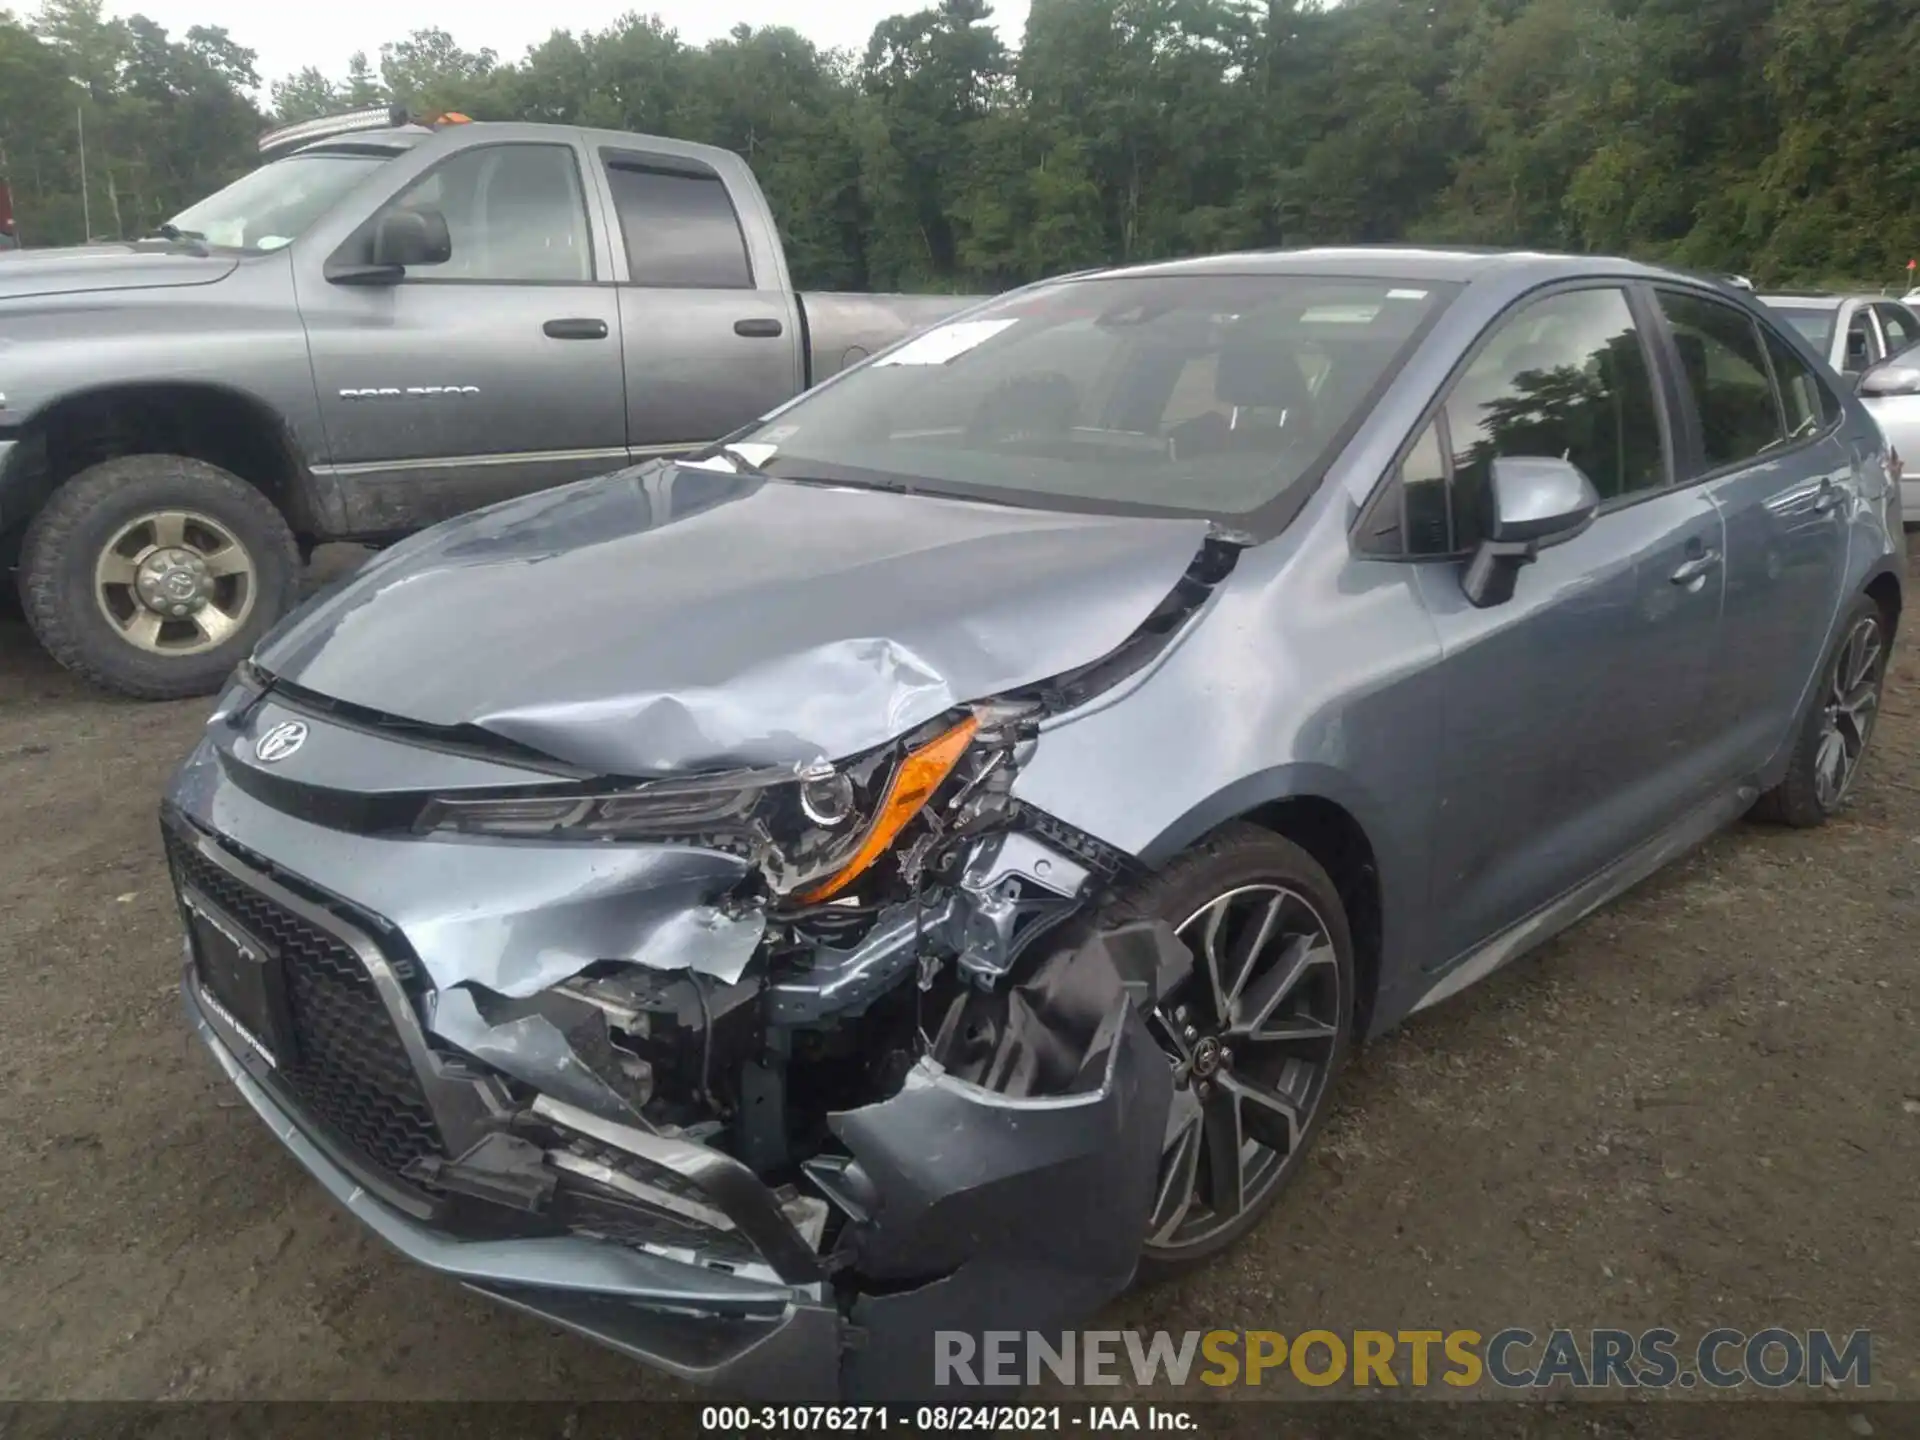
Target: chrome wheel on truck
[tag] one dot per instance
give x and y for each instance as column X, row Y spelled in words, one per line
column 175, row 582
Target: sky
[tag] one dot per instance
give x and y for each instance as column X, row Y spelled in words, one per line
column 291, row 34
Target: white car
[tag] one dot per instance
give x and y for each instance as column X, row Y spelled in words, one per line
column 1864, row 337
column 1891, row 393
column 1854, row 332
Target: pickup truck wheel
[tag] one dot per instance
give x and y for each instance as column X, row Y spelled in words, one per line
column 154, row 575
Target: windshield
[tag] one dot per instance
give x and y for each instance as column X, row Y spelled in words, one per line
column 270, row 206
column 1815, row 326
column 1191, row 394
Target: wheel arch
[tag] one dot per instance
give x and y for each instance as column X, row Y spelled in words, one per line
column 1883, row 587
column 1319, row 810
column 211, row 421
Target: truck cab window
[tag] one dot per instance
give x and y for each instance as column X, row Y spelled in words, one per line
column 513, row 212
column 681, row 230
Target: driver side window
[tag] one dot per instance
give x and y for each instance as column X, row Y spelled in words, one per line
column 1565, row 376
column 513, row 213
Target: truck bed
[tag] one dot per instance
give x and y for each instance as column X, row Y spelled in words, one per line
column 843, row 328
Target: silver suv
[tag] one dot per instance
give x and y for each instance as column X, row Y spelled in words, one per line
column 925, row 862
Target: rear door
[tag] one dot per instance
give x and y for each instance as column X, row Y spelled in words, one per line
column 1573, row 716
column 711, row 340
column 1762, row 438
column 493, row 374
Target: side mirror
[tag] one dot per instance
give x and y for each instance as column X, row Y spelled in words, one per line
column 1897, row 376
column 411, row 237
column 1538, row 502
column 400, row 238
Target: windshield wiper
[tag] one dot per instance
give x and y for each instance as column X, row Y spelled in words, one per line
column 743, row 464
column 193, row 238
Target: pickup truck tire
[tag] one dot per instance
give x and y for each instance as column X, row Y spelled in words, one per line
column 154, row 575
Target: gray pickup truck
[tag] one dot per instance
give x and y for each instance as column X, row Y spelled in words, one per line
column 391, row 323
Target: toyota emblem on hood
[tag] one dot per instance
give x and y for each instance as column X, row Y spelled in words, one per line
column 280, row 742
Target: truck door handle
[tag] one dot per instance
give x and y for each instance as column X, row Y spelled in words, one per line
column 575, row 329
column 1694, row 569
column 758, row 329
column 1828, row 499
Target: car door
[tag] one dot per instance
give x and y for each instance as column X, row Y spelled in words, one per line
column 1859, row 343
column 711, row 342
column 1572, row 725
column 1762, row 439
column 1899, row 327
column 492, row 374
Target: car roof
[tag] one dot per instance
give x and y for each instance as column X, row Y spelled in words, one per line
column 1457, row 263
column 1817, row 300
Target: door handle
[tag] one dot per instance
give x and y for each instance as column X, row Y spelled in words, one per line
column 758, row 329
column 575, row 329
column 1828, row 499
column 1696, row 568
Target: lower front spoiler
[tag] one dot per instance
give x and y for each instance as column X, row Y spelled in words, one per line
column 745, row 1336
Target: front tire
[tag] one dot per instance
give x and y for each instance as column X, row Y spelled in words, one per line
column 1832, row 741
column 154, row 575
column 1256, row 1035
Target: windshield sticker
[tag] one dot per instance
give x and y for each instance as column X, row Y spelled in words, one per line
column 937, row 347
column 1406, row 294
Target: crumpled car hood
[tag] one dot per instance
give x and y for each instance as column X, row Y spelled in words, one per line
column 26, row 273
column 671, row 618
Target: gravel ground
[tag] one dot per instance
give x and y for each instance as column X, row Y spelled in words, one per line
column 1700, row 1107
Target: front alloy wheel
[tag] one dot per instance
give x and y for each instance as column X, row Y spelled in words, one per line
column 1255, row 1034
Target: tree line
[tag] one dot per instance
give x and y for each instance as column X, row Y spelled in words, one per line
column 1775, row 138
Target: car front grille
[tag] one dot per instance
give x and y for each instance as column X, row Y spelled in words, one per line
column 349, row 1068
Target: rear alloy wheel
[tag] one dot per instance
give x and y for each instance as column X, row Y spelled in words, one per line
column 1852, row 705
column 1833, row 736
column 1255, row 1035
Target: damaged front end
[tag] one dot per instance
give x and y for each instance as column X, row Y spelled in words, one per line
column 763, row 1076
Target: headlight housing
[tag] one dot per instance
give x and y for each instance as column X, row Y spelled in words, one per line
column 813, row 833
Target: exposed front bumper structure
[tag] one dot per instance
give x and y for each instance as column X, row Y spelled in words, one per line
column 743, row 1334
column 1028, row 1215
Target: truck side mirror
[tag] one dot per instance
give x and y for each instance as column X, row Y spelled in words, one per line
column 411, row 237
column 401, row 238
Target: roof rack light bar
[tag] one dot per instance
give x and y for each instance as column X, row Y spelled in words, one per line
column 383, row 117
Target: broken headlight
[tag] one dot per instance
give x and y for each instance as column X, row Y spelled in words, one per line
column 816, row 832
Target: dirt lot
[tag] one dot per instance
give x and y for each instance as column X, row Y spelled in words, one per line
column 1700, row 1108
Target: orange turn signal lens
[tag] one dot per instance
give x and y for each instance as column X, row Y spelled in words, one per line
column 912, row 787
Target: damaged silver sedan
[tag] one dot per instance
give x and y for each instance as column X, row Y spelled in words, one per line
column 922, row 865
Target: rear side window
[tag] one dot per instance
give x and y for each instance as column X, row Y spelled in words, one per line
column 1725, row 369
column 1808, row 404
column 681, row 230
